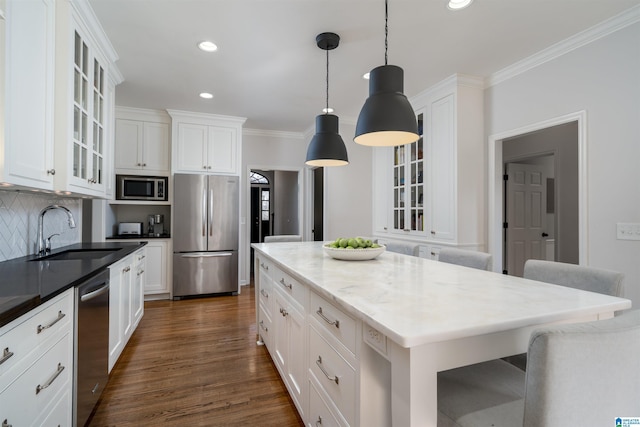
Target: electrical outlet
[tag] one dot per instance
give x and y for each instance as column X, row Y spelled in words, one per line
column 627, row 231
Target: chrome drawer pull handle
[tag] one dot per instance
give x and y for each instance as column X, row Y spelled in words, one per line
column 263, row 265
column 319, row 422
column 326, row 319
column 140, row 272
column 284, row 312
column 264, row 294
column 319, row 363
column 126, row 269
column 6, row 355
column 59, row 318
column 290, row 286
column 5, row 423
column 51, row 380
column 263, row 327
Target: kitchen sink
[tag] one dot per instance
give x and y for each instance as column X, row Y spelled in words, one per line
column 80, row 254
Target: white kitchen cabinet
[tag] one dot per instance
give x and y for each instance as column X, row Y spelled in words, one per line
column 37, row 368
column 138, row 286
column 83, row 105
column 26, row 139
column 126, row 302
column 265, row 295
column 280, row 314
column 333, row 363
column 142, row 142
column 158, row 271
column 206, row 143
column 430, row 192
column 119, row 307
column 289, row 354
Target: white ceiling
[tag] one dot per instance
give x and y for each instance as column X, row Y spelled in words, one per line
column 269, row 69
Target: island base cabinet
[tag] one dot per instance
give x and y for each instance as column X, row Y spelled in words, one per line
column 319, row 413
column 289, row 349
column 334, row 374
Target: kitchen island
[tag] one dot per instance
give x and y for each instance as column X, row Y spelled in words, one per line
column 361, row 342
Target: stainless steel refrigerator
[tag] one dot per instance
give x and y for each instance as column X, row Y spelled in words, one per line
column 205, row 234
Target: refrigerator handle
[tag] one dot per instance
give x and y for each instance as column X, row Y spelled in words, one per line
column 207, row 255
column 210, row 212
column 204, row 213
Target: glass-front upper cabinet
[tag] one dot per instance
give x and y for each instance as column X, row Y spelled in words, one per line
column 88, row 115
column 408, row 184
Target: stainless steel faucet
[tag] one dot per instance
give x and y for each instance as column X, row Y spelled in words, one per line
column 42, row 247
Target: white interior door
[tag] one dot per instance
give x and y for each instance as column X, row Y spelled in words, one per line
column 526, row 215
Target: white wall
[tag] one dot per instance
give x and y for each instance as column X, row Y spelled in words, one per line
column 347, row 189
column 348, row 206
column 602, row 79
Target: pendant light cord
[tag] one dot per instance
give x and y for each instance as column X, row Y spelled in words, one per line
column 327, row 110
column 386, row 29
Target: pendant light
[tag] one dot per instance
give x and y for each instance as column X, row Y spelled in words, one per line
column 327, row 147
column 387, row 118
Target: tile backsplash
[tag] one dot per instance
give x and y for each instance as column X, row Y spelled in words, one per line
column 19, row 222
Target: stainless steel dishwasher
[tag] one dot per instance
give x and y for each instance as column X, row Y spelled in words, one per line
column 91, row 349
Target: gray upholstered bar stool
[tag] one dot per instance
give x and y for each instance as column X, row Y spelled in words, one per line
column 573, row 276
column 283, row 238
column 473, row 259
column 402, row 248
column 581, row 374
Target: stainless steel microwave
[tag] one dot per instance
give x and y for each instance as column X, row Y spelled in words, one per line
column 136, row 187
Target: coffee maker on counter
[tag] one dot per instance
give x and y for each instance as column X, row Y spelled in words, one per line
column 156, row 225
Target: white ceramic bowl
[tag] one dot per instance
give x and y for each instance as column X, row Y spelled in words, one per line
column 353, row 254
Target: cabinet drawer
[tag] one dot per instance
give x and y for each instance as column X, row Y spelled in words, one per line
column 338, row 323
column 264, row 326
column 32, row 330
column 35, row 389
column 319, row 413
column 265, row 266
column 264, row 295
column 60, row 413
column 290, row 286
column 334, row 375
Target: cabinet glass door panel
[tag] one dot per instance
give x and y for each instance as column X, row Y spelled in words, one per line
column 408, row 185
column 80, row 116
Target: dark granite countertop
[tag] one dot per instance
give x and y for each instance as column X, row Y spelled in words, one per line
column 27, row 282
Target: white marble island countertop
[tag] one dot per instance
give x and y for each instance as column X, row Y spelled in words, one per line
column 416, row 301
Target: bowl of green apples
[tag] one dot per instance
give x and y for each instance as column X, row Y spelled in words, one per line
column 353, row 249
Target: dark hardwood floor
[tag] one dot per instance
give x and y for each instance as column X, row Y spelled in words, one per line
column 196, row 363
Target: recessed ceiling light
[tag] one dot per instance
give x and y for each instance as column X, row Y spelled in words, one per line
column 458, row 4
column 206, row 95
column 327, row 110
column 207, row 46
column 365, row 76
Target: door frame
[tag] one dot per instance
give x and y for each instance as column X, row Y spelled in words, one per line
column 496, row 184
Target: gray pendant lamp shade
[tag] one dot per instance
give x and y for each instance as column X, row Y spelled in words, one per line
column 387, row 118
column 327, row 147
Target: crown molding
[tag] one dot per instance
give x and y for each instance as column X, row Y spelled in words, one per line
column 272, row 133
column 574, row 42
